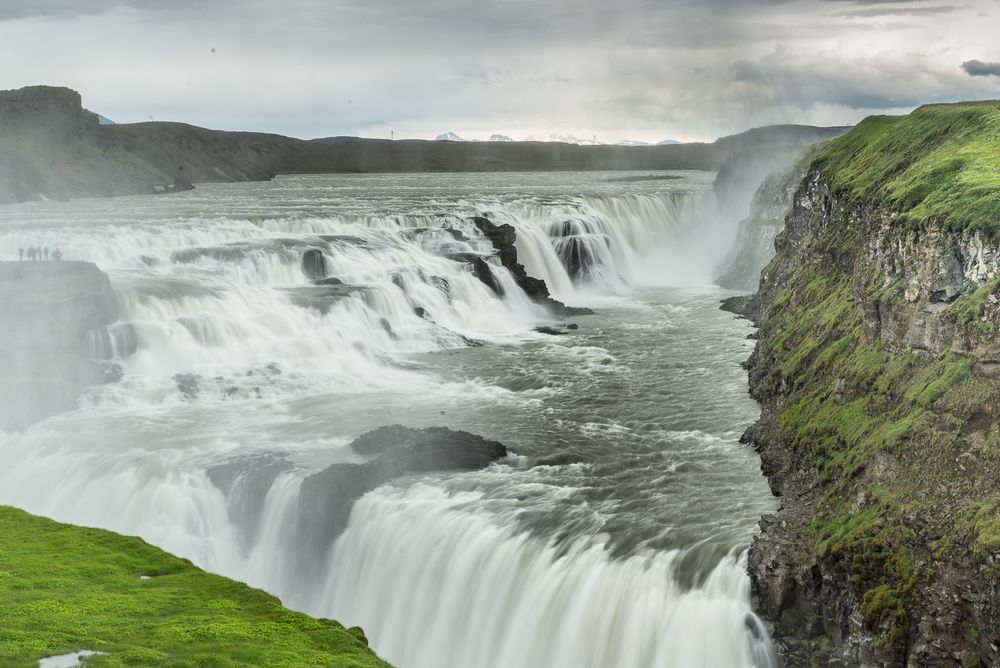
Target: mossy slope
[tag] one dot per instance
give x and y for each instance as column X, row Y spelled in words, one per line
column 888, row 457
column 939, row 164
column 65, row 588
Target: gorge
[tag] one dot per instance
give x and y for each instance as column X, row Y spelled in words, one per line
column 497, row 419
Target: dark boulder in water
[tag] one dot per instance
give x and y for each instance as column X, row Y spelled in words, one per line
column 431, row 448
column 331, row 280
column 551, row 331
column 314, row 264
column 326, row 497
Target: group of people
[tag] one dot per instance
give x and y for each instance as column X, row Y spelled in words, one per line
column 40, row 253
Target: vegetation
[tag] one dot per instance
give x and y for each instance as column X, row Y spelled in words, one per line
column 939, row 164
column 901, row 447
column 65, row 588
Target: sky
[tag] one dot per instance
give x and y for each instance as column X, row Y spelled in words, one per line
column 645, row 70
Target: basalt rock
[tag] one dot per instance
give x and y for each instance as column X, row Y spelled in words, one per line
column 503, row 237
column 879, row 414
column 326, row 497
column 314, row 264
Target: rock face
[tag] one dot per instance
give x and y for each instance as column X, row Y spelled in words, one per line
column 504, row 238
column 754, row 246
column 876, row 367
column 54, row 333
column 326, row 497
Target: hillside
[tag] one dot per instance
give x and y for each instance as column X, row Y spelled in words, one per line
column 878, row 365
column 67, row 589
column 51, row 147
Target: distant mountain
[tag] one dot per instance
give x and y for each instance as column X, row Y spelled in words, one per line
column 500, row 138
column 564, row 139
column 448, row 136
column 667, row 142
column 51, row 148
column 633, row 142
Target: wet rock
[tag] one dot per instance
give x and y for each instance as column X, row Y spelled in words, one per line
column 323, row 297
column 113, row 372
column 387, row 326
column 188, row 385
column 330, row 280
column 314, row 264
column 245, row 482
column 55, row 337
column 326, row 497
column 420, row 311
column 503, row 238
column 572, row 325
column 480, row 269
column 551, row 331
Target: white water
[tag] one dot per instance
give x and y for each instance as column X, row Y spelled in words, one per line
column 514, row 566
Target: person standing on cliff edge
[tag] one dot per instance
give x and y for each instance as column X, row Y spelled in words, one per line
column 46, row 252
column 20, row 254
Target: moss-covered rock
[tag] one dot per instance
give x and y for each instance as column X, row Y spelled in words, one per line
column 876, row 367
column 65, row 588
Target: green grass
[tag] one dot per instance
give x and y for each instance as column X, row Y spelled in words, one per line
column 939, row 164
column 65, row 588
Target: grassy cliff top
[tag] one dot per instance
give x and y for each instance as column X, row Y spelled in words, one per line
column 65, row 588
column 939, row 164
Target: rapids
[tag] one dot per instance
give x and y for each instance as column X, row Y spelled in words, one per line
column 614, row 537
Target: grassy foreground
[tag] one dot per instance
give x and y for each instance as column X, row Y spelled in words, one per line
column 940, row 165
column 65, row 588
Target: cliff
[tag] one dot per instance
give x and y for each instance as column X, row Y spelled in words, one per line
column 69, row 589
column 877, row 367
column 54, row 334
column 51, row 147
column 753, row 248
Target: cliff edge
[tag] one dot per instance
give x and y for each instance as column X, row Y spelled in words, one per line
column 878, row 367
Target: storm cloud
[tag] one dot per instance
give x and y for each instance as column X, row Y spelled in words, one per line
column 635, row 69
column 977, row 68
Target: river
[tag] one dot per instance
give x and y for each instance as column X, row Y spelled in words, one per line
column 613, row 537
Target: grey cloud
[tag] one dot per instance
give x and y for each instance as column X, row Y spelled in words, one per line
column 903, row 11
column 977, row 68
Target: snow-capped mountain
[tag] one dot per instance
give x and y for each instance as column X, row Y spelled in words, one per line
column 555, row 137
column 565, row 139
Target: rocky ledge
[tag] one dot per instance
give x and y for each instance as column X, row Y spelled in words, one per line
column 327, row 496
column 54, row 335
column 879, row 320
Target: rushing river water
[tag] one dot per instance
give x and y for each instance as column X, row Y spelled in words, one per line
column 614, row 537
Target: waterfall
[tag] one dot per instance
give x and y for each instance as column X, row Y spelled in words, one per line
column 279, row 321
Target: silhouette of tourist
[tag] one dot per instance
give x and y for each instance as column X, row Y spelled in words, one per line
column 46, row 253
column 31, row 252
column 20, row 254
column 56, row 254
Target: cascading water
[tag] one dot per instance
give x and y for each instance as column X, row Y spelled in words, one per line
column 615, row 535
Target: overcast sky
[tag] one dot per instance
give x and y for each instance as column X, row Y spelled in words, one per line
column 618, row 69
